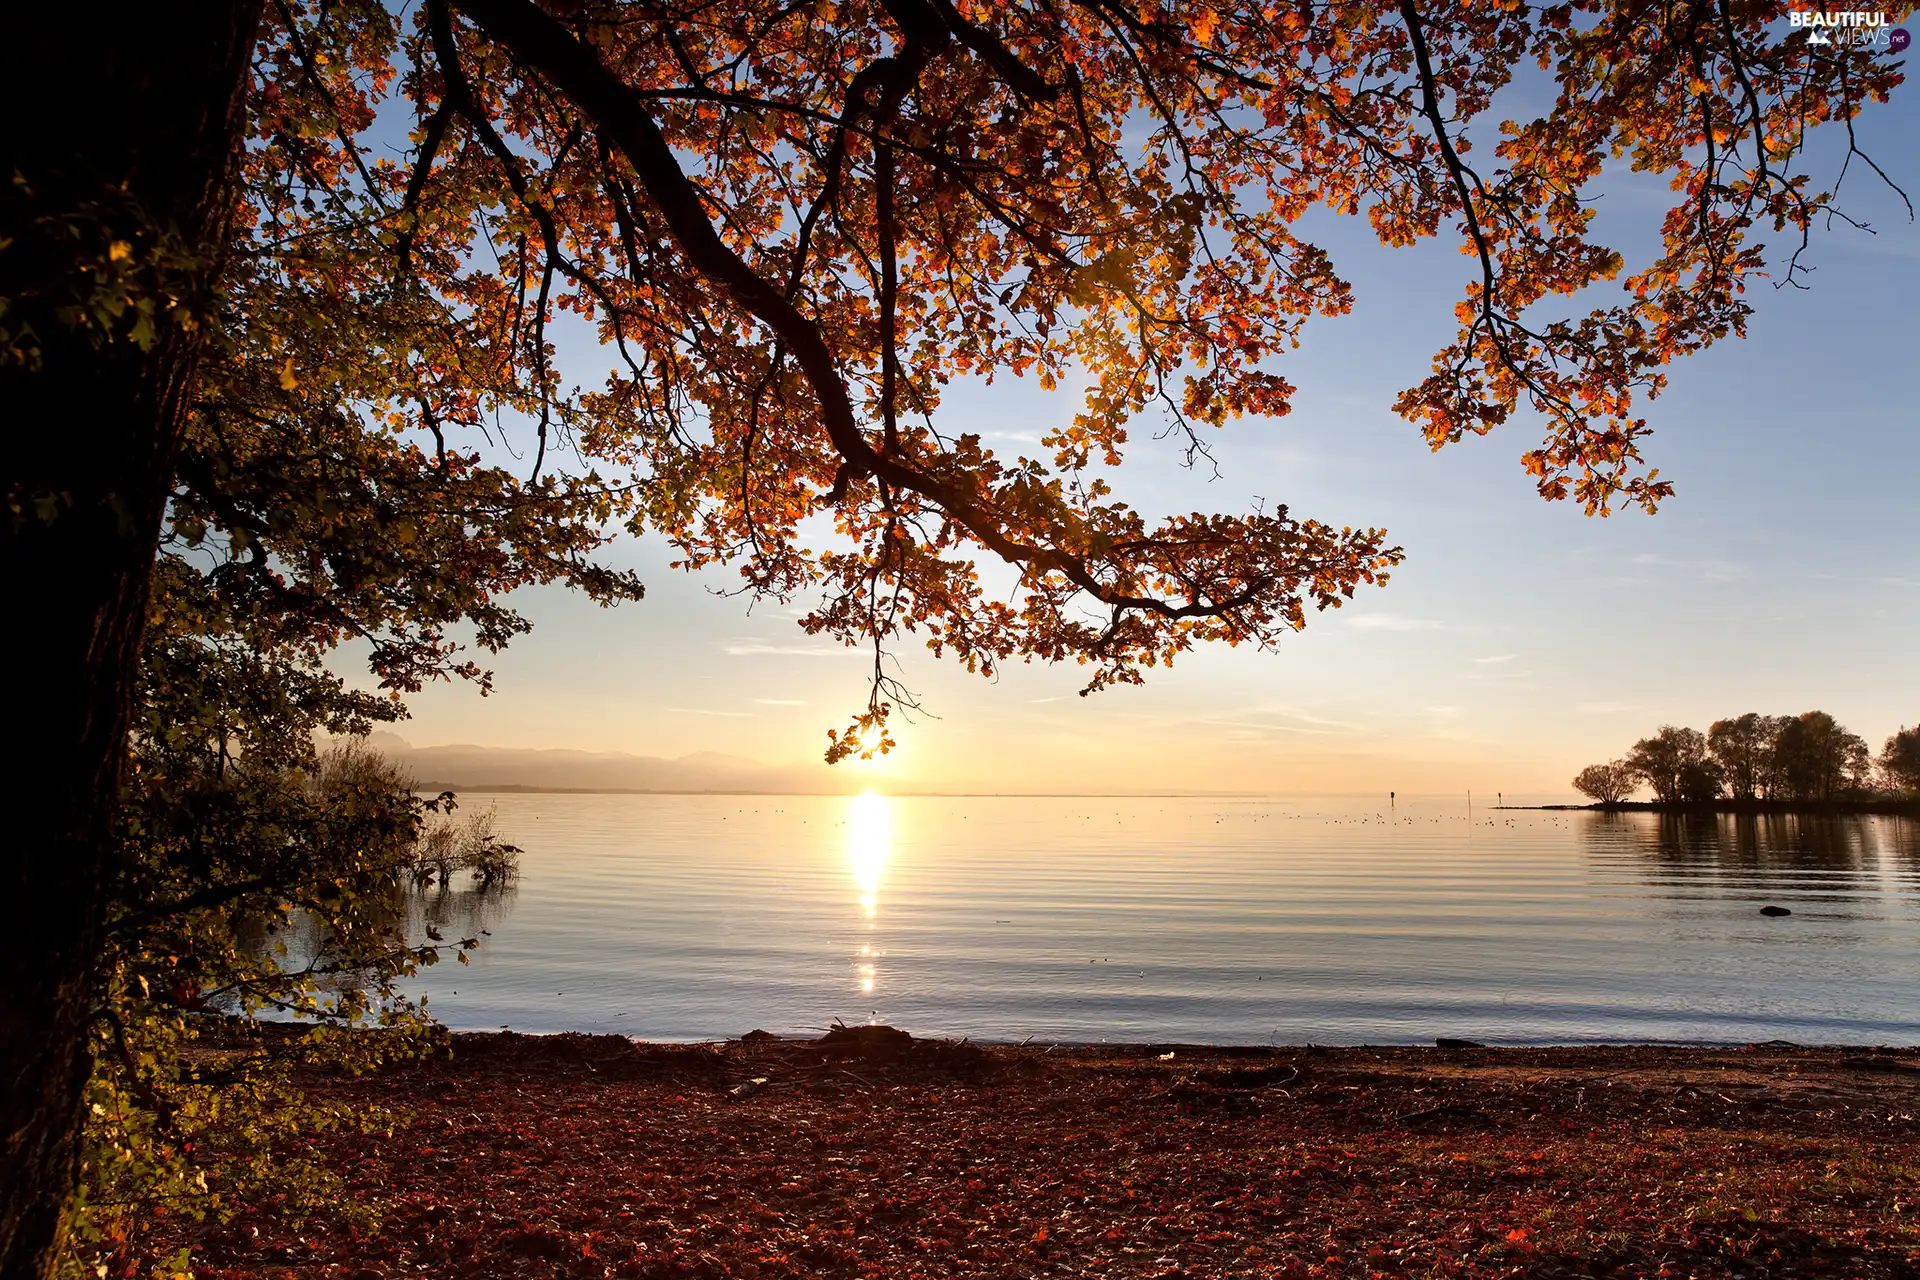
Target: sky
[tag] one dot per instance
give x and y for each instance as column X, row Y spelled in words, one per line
column 1519, row 641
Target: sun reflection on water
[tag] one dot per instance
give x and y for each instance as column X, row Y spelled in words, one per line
column 869, row 835
column 869, row 846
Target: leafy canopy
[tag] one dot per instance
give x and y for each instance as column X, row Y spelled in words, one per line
column 795, row 224
column 255, row 876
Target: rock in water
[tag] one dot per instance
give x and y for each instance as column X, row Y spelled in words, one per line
column 1775, row 911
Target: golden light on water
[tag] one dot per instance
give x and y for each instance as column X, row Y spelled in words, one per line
column 869, row 839
column 869, row 847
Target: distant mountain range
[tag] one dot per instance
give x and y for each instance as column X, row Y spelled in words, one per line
column 472, row 768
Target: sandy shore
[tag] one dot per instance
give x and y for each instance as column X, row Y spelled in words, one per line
column 585, row 1156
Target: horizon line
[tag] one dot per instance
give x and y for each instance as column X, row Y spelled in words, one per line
column 511, row 788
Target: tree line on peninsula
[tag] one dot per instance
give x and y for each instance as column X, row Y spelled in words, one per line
column 1810, row 758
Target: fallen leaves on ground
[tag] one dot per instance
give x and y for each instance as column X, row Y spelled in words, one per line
column 592, row 1157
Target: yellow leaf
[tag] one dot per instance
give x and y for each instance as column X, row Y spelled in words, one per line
column 287, row 381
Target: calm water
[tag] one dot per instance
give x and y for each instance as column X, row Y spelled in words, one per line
column 1235, row 921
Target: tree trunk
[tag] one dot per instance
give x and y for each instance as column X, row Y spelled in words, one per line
column 120, row 122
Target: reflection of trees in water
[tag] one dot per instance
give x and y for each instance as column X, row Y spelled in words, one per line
column 419, row 914
column 456, row 912
column 1847, row 846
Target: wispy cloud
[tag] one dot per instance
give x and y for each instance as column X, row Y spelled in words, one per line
column 763, row 648
column 1893, row 581
column 1246, row 730
column 1287, row 711
column 1283, row 719
column 709, row 711
column 1606, row 708
column 1395, row 622
column 1650, row 567
column 1711, row 569
column 1498, row 666
column 782, row 702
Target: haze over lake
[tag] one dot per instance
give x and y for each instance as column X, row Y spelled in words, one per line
column 676, row 917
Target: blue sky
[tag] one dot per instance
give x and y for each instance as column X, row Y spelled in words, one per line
column 1520, row 640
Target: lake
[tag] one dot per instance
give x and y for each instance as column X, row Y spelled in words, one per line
column 1243, row 921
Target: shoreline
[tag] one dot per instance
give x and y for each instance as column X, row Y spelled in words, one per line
column 1749, row 808
column 1909, row 808
column 516, row 789
column 1199, row 1049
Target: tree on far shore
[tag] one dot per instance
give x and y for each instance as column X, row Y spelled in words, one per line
column 1675, row 764
column 1810, row 758
column 1900, row 760
column 1743, row 748
column 1608, row 783
column 1817, row 760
